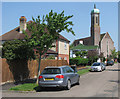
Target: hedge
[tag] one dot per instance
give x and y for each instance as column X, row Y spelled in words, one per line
column 78, row 61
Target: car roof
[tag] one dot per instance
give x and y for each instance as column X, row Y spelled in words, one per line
column 56, row 66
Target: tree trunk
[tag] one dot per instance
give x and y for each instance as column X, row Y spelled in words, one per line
column 38, row 69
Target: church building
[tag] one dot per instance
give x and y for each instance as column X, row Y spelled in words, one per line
column 103, row 41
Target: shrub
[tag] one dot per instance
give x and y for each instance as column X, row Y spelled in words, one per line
column 73, row 61
column 82, row 61
column 78, row 61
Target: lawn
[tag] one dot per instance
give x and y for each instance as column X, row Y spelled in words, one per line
column 84, row 71
column 25, row 87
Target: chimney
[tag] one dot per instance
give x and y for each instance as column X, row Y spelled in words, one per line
column 23, row 23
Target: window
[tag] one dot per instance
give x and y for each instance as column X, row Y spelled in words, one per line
column 69, row 70
column 96, row 19
column 65, row 58
column 65, row 46
column 51, row 71
column 59, row 58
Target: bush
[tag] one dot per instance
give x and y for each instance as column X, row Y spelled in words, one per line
column 78, row 61
column 73, row 61
column 82, row 61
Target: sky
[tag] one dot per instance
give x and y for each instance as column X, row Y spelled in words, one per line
column 12, row 11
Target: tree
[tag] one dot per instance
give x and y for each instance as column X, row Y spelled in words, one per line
column 92, row 56
column 17, row 50
column 46, row 30
column 81, row 54
column 113, row 54
column 101, row 56
column 17, row 53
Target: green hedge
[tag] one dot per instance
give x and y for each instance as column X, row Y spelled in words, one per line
column 78, row 61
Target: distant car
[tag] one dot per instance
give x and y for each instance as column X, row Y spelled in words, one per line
column 98, row 66
column 63, row 76
column 110, row 63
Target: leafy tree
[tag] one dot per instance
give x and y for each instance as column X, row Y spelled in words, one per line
column 17, row 53
column 81, row 53
column 46, row 30
column 92, row 56
column 17, row 50
column 113, row 54
column 101, row 56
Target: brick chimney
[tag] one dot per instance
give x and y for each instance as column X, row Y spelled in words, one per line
column 23, row 23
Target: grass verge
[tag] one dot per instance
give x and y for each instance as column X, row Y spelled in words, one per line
column 25, row 87
column 84, row 71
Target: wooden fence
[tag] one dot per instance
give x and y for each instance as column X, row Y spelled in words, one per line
column 13, row 71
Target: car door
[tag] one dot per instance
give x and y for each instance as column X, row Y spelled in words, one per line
column 70, row 73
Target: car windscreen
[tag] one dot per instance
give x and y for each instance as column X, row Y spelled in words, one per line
column 96, row 64
column 51, row 71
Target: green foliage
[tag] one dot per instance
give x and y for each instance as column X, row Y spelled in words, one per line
column 81, row 54
column 45, row 30
column 25, row 87
column 84, row 71
column 17, row 50
column 113, row 54
column 51, row 57
column 82, row 61
column 73, row 61
column 92, row 56
column 78, row 61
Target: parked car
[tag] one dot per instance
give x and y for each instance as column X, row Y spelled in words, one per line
column 98, row 66
column 110, row 63
column 63, row 76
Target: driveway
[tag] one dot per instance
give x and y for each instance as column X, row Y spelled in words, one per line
column 93, row 84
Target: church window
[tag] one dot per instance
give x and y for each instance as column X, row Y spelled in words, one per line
column 96, row 19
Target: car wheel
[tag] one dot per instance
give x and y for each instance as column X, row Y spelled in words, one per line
column 68, row 85
column 78, row 82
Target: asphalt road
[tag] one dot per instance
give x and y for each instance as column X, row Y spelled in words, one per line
column 93, row 84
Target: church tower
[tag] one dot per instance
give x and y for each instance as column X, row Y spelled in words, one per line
column 95, row 26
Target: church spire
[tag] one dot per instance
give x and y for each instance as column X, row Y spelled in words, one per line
column 94, row 6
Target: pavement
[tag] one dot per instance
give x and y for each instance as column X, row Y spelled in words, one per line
column 93, row 84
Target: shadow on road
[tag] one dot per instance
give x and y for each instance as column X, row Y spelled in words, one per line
column 112, row 69
column 117, row 81
column 50, row 89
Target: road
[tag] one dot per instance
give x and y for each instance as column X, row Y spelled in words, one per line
column 93, row 84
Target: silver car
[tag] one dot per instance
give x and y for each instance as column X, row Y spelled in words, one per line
column 97, row 66
column 63, row 76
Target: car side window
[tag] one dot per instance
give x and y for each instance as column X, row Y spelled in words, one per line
column 64, row 70
column 69, row 70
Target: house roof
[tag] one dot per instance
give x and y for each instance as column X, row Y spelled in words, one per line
column 15, row 34
column 51, row 52
column 83, row 47
column 101, row 36
column 82, row 39
column 89, row 38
